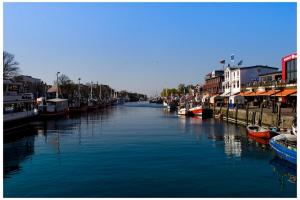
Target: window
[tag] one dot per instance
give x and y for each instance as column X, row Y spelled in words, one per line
column 291, row 70
column 238, row 84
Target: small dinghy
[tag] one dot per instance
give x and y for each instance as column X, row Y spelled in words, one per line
column 184, row 111
column 285, row 146
column 258, row 131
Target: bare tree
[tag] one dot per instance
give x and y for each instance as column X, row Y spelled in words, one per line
column 10, row 65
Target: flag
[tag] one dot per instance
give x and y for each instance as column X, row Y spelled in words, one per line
column 222, row 61
column 232, row 57
column 240, row 63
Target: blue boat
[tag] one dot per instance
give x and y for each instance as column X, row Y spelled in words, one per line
column 285, row 146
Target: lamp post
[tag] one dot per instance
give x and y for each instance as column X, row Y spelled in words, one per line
column 57, row 84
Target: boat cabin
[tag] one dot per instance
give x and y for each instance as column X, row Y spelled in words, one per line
column 57, row 105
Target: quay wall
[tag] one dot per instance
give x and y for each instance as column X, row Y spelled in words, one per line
column 268, row 119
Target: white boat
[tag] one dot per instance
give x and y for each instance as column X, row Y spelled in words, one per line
column 18, row 107
column 182, row 111
column 54, row 107
column 165, row 104
column 294, row 129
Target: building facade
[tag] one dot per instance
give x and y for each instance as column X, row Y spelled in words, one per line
column 289, row 68
column 269, row 77
column 237, row 77
column 213, row 82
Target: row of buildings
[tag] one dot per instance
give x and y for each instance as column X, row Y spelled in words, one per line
column 253, row 84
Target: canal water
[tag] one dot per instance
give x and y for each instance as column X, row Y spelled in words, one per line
column 140, row 150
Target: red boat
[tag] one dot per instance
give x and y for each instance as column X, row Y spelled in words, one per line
column 259, row 140
column 196, row 110
column 258, row 131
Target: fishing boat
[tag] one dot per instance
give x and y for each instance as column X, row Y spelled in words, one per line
column 76, row 105
column 92, row 103
column 285, row 146
column 53, row 107
column 258, row 131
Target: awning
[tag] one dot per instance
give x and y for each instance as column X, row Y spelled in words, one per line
column 268, row 93
column 245, row 93
column 250, row 94
column 286, row 92
column 260, row 93
column 225, row 94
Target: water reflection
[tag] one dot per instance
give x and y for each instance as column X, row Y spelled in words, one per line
column 261, row 141
column 16, row 152
column 232, row 142
column 285, row 171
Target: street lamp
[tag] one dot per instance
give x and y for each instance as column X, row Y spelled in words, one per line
column 57, row 83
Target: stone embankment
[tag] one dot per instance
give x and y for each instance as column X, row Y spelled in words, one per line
column 266, row 119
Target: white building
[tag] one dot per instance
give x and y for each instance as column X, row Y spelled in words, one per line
column 237, row 77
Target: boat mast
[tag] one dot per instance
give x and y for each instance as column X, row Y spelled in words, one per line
column 100, row 93
column 57, row 84
column 79, row 95
column 91, row 90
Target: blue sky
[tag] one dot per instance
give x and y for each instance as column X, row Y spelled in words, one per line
column 144, row 47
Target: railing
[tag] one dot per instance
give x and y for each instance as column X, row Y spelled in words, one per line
column 273, row 84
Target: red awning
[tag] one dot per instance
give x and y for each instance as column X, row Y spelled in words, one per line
column 268, row 93
column 245, row 93
column 286, row 92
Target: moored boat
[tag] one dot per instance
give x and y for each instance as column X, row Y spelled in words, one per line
column 258, row 131
column 263, row 141
column 18, row 111
column 165, row 104
column 92, row 103
column 184, row 111
column 197, row 110
column 54, row 107
column 294, row 129
column 285, row 146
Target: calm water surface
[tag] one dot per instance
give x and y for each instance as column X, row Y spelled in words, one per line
column 138, row 150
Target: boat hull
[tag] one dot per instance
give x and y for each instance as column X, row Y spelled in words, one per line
column 77, row 109
column 283, row 152
column 260, row 133
column 197, row 110
column 53, row 114
column 185, row 112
